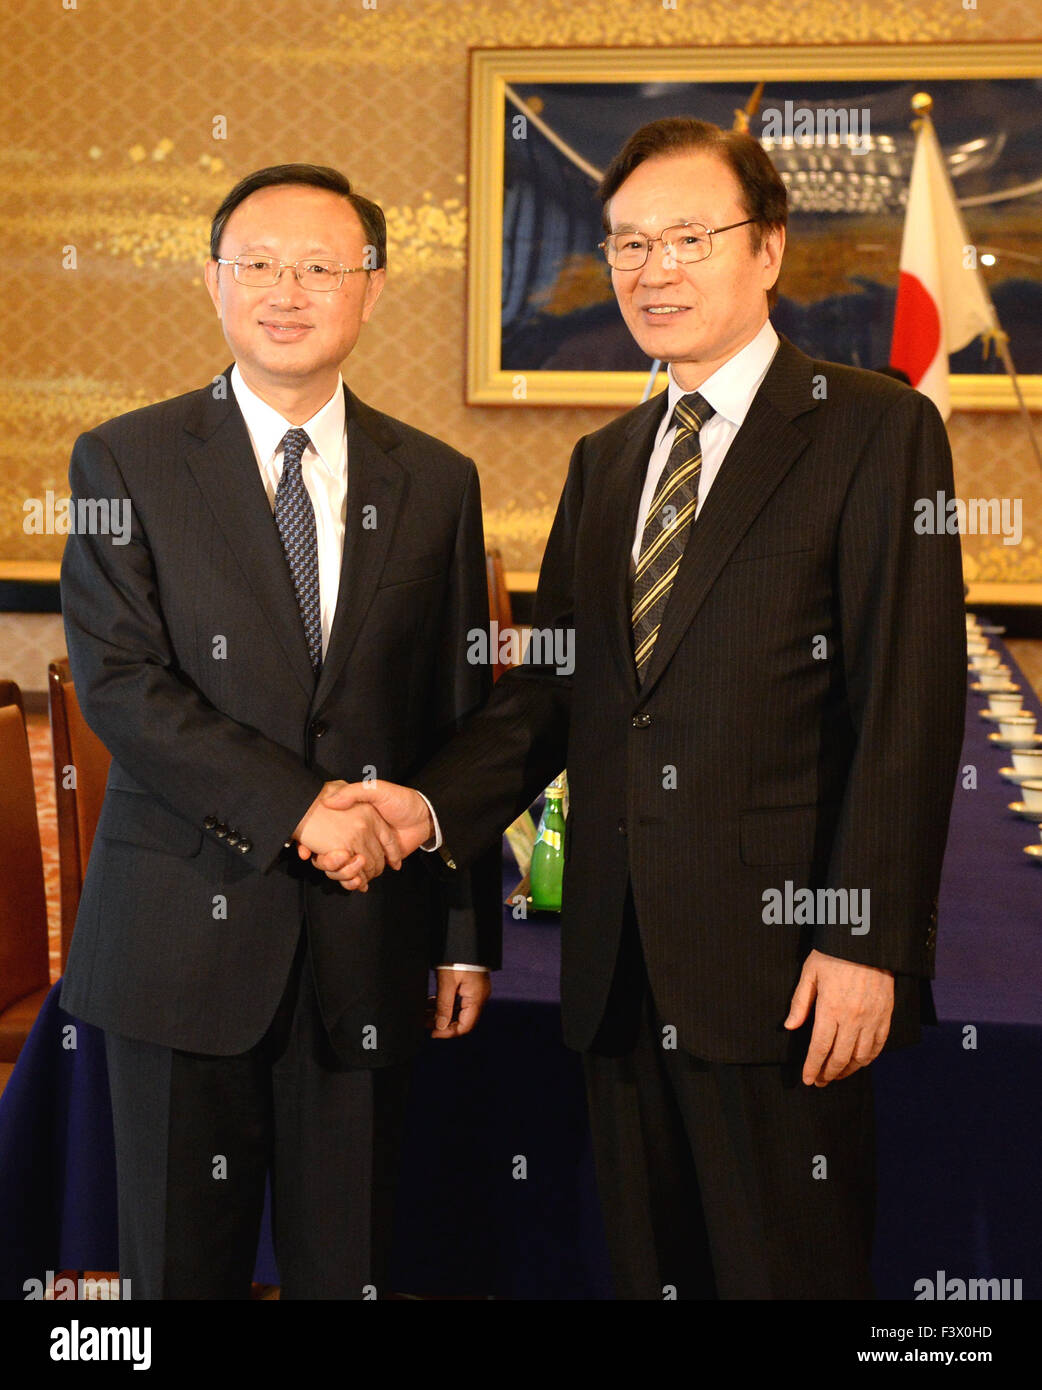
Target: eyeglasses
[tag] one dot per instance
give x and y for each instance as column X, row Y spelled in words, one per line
column 688, row 242
column 311, row 274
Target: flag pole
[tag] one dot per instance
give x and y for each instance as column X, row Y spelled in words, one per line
column 649, row 385
column 922, row 105
column 1002, row 348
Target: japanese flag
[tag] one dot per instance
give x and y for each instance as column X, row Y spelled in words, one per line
column 942, row 303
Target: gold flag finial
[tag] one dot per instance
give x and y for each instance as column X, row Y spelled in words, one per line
column 743, row 115
column 922, row 103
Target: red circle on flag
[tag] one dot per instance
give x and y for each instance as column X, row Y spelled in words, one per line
column 917, row 328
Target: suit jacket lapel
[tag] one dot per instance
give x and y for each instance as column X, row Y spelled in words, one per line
column 225, row 469
column 762, row 452
column 614, row 519
column 375, row 490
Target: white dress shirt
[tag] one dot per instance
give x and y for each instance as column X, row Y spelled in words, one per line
column 323, row 467
column 730, row 391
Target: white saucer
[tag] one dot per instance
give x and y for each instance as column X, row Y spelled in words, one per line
column 1027, row 813
column 990, row 714
column 991, row 631
column 1035, row 851
column 1024, row 741
column 1012, row 775
column 1005, row 689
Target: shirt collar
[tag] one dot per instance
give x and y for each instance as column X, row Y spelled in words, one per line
column 267, row 427
column 731, row 388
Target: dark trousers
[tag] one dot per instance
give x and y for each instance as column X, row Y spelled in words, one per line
column 196, row 1137
column 724, row 1180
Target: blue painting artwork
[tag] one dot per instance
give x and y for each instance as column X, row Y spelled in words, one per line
column 847, row 188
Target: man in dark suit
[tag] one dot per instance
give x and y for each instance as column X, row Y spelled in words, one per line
column 291, row 607
column 761, row 734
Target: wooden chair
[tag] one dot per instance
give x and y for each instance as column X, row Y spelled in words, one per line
column 79, row 751
column 499, row 610
column 24, row 970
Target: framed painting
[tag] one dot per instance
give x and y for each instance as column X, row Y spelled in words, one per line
column 543, row 327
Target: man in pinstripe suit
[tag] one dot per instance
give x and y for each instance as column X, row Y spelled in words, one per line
column 764, row 721
column 293, row 603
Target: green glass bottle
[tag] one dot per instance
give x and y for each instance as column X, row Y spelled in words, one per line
column 546, row 871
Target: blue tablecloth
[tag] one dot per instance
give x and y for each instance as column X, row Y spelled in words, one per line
column 959, row 1124
column 961, row 1116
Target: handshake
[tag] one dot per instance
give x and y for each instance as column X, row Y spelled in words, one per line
column 353, row 830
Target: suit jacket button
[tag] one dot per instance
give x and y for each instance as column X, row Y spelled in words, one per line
column 244, row 846
column 622, row 827
column 233, row 838
column 221, row 832
column 210, row 822
column 641, row 720
column 318, row 728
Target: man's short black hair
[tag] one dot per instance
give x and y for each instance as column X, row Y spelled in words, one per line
column 762, row 193
column 370, row 215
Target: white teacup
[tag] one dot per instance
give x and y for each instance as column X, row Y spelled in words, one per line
column 993, row 680
column 986, row 661
column 1032, row 793
column 1027, row 760
column 976, row 647
column 1017, row 726
column 1006, row 702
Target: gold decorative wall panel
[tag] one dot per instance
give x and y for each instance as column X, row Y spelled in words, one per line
column 111, row 170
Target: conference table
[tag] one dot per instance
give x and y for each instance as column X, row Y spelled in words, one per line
column 497, row 1195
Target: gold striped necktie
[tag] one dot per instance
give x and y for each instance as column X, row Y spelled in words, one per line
column 668, row 524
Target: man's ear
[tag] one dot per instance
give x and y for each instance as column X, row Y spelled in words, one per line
column 377, row 280
column 772, row 251
column 210, row 273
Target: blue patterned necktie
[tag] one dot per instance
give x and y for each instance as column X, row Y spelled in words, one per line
column 667, row 527
column 295, row 518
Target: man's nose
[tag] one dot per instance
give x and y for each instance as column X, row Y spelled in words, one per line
column 661, row 265
column 287, row 288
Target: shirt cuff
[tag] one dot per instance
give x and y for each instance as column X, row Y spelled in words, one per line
column 435, row 843
column 473, row 969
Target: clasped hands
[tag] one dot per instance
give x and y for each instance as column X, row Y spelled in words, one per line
column 353, row 830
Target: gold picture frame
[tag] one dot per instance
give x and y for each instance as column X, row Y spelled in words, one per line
column 492, row 75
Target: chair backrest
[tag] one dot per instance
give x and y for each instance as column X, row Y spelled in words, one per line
column 81, row 769
column 498, row 593
column 499, row 609
column 23, row 901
